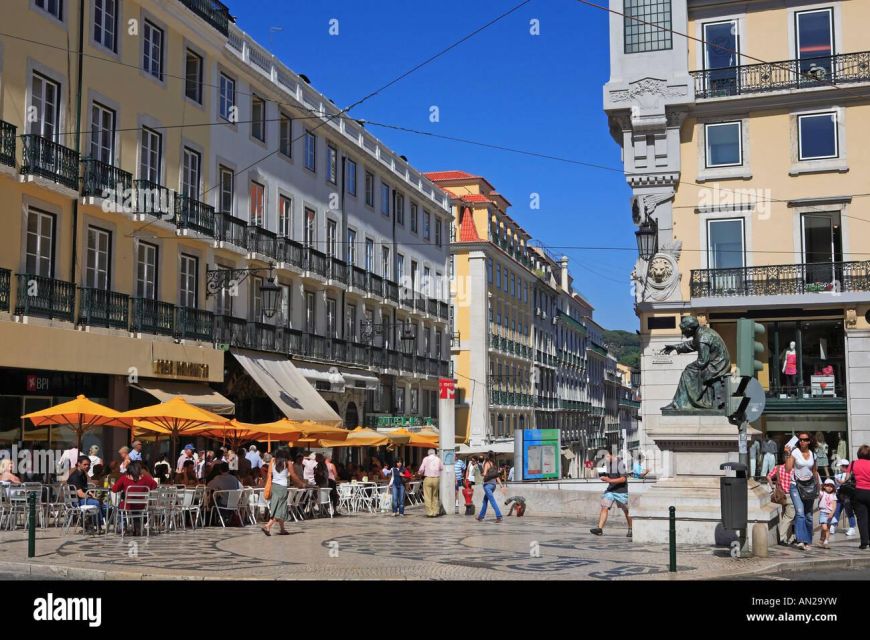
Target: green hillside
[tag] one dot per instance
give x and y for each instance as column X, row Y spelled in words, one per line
column 624, row 345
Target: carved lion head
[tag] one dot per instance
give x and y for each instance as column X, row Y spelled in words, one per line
column 660, row 270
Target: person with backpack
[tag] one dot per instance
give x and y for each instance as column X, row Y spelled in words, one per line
column 397, row 487
column 491, row 480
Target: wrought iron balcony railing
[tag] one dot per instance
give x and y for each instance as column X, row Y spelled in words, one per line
column 44, row 297
column 290, row 252
column 443, row 310
column 393, row 358
column 154, row 199
column 445, row 368
column 338, row 270
column 408, row 299
column 337, row 350
column 48, row 159
column 315, row 261
column 407, row 362
column 5, row 288
column 230, row 330
column 213, row 12
column 805, row 73
column 230, row 229
column 391, row 291
column 379, row 357
column 101, row 180
column 376, row 285
column 102, row 308
column 7, row 143
column 153, row 316
column 264, row 337
column 194, row 324
column 782, row 279
column 262, row 241
column 359, row 354
column 293, row 342
column 359, row 279
column 193, row 214
column 314, row 345
column 432, row 307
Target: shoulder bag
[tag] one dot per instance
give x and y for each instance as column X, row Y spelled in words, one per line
column 807, row 489
column 778, row 496
column 267, row 492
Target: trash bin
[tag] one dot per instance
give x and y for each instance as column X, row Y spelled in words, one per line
column 733, row 494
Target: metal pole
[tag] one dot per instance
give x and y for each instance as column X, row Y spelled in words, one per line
column 31, row 520
column 672, row 538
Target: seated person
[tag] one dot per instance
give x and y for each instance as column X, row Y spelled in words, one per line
column 78, row 479
column 135, row 477
column 223, row 481
column 187, row 476
column 6, row 474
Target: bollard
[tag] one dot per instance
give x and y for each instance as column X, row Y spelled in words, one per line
column 672, row 538
column 31, row 521
column 759, row 540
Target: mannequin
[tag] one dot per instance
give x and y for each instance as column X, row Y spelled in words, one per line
column 822, row 455
column 789, row 367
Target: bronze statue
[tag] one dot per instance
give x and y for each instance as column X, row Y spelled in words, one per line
column 700, row 379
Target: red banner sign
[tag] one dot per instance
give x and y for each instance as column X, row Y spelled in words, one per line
column 447, row 388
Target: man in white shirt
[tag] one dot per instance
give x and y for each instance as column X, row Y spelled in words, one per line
column 430, row 469
column 136, row 451
column 308, row 466
column 254, row 456
column 186, row 454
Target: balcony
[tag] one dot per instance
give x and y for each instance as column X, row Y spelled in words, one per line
column 153, row 199
column 44, row 297
column 49, row 160
column 379, row 358
column 443, row 310
column 782, row 279
column 392, row 360
column 376, row 285
column 262, row 241
column 315, row 262
column 432, row 307
column 213, row 12
column 153, row 316
column 194, row 215
column 391, row 291
column 293, row 343
column 420, row 365
column 360, row 280
column 264, row 337
column 229, row 229
column 782, row 76
column 101, row 180
column 444, row 368
column 101, row 308
column 337, row 350
column 194, row 324
column 358, row 354
column 338, row 270
column 432, row 367
column 290, row 252
column 7, row 143
column 230, row 331
column 407, row 363
column 314, row 346
column 5, row 288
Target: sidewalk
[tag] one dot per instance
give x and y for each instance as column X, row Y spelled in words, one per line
column 383, row 547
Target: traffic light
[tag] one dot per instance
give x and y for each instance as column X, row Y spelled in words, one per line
column 748, row 347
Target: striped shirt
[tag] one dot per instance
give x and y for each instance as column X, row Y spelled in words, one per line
column 459, row 468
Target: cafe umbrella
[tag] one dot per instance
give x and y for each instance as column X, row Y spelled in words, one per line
column 81, row 414
column 175, row 417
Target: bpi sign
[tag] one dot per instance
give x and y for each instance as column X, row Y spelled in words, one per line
column 447, row 388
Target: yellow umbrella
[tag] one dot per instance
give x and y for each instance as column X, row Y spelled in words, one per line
column 238, row 432
column 359, row 437
column 422, row 439
column 173, row 417
column 81, row 414
column 398, row 436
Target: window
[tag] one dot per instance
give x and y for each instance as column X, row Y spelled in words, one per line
column 152, row 55
column 385, row 262
column 331, row 324
column 725, row 244
column 350, row 323
column 98, row 258
column 415, row 276
column 39, row 260
column 817, row 136
column 370, row 189
column 427, row 225
column 190, row 174
column 45, row 107
column 350, row 177
column 647, row 25
column 257, row 205
column 385, row 199
column 414, row 221
column 258, row 118
column 815, row 42
column 721, row 57
column 497, row 276
column 331, row 235
column 285, row 143
column 351, row 247
column 414, row 394
column 426, row 285
column 146, row 271
column 400, row 399
column 224, row 302
column 227, row 99
column 724, row 144
column 400, row 209
column 102, row 133
column 227, row 189
column 106, row 23
column 310, row 312
column 370, row 255
column 187, row 281
column 310, row 151
column 151, row 156
column 54, row 7
column 400, row 269
column 513, row 290
column 489, row 270
column 331, row 164
column 438, row 343
column 284, row 313
column 193, row 76
column 437, row 233
column 256, row 299
column 310, row 227
column 285, row 217
column 823, row 247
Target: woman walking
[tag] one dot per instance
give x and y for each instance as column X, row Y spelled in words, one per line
column 278, row 498
column 804, row 488
column 491, row 480
column 397, row 487
column 860, row 470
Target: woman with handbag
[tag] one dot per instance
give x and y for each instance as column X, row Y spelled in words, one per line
column 491, row 480
column 804, row 487
column 397, row 487
column 780, row 489
column 276, row 493
column 860, row 471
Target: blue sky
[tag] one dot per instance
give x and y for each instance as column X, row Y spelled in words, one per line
column 504, row 86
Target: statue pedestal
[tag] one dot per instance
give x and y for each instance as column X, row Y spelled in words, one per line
column 694, row 446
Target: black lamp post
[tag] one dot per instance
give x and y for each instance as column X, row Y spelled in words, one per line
column 271, row 296
column 647, row 236
column 218, row 280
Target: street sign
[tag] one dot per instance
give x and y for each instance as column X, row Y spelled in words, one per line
column 757, row 400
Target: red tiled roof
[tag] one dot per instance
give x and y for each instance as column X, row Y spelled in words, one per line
column 448, row 175
column 467, row 230
column 475, row 197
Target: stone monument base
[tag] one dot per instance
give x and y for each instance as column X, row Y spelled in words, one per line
column 693, row 447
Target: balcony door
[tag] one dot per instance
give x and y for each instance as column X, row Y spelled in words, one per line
column 98, row 259
column 814, row 39
column 725, row 255
column 187, row 272
column 39, row 259
column 331, row 233
column 44, row 110
column 721, row 57
column 146, row 271
column 102, row 133
column 822, row 247
column 190, row 175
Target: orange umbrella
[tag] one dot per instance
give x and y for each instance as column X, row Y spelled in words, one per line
column 359, row 437
column 81, row 414
column 423, row 439
column 238, row 432
column 173, row 417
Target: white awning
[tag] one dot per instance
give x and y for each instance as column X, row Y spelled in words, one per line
column 316, row 375
column 496, row 447
column 286, row 387
column 199, row 395
column 354, row 380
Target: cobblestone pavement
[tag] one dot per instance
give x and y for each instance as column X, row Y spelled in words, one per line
column 383, row 547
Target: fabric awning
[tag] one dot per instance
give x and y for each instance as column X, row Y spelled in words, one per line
column 354, row 380
column 496, row 447
column 199, row 395
column 286, row 387
column 316, row 375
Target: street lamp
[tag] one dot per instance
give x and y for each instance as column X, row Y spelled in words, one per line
column 271, row 296
column 221, row 279
column 647, row 236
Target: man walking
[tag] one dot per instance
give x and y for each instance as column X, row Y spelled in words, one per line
column 459, row 469
column 616, row 493
column 786, row 517
column 430, row 469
